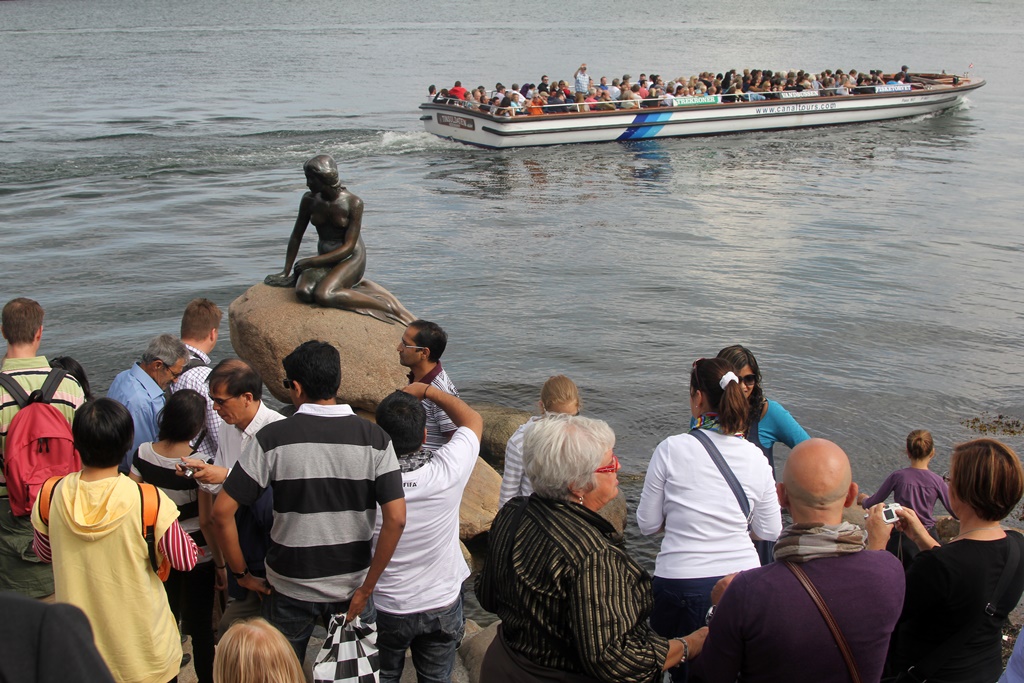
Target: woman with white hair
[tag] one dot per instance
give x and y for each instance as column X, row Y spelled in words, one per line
column 574, row 606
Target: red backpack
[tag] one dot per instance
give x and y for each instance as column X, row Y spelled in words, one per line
column 39, row 444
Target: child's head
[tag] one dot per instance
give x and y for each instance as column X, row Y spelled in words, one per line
column 919, row 445
column 103, row 432
column 253, row 651
column 560, row 395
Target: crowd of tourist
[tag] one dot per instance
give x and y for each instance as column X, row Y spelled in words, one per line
column 582, row 93
column 187, row 488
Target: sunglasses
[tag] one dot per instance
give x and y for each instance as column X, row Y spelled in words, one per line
column 608, row 469
column 287, row 383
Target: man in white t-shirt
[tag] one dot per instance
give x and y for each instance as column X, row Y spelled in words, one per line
column 419, row 595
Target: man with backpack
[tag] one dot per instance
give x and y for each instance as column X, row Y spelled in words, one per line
column 23, row 472
column 200, row 328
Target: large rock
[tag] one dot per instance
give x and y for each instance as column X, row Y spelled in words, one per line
column 615, row 512
column 499, row 424
column 474, row 648
column 267, row 323
column 479, row 501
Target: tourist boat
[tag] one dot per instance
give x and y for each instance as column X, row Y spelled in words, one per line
column 707, row 115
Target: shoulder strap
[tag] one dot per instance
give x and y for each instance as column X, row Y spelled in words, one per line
column 727, row 473
column 937, row 657
column 15, row 389
column 53, row 381
column 46, row 498
column 195, row 362
column 150, row 512
column 833, row 626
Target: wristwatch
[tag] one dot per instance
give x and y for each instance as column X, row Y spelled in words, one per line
column 242, row 574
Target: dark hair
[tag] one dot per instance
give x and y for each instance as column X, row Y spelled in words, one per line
column 732, row 408
column 920, row 445
column 201, row 316
column 236, row 377
column 431, row 336
column 103, row 432
column 739, row 357
column 986, row 475
column 75, row 369
column 402, row 416
column 316, row 365
column 183, row 417
column 21, row 319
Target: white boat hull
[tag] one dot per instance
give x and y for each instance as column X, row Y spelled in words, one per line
column 481, row 129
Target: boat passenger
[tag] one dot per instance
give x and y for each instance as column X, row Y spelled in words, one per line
column 605, row 103
column 556, row 102
column 536, row 106
column 442, row 97
column 431, row 93
column 591, row 99
column 457, row 91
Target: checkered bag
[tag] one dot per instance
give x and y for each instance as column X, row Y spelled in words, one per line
column 349, row 654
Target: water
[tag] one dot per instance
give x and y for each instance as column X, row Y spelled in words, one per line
column 150, row 153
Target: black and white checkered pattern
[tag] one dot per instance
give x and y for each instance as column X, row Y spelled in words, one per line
column 349, row 654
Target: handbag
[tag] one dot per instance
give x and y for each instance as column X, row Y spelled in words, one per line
column 830, row 621
column 730, row 478
column 349, row 653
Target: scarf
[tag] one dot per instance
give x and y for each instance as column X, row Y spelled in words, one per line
column 410, row 462
column 806, row 542
column 709, row 421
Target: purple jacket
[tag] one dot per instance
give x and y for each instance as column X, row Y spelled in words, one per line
column 915, row 489
column 767, row 629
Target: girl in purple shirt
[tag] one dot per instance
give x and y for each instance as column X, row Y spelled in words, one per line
column 915, row 487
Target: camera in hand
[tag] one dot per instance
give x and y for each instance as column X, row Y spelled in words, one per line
column 889, row 515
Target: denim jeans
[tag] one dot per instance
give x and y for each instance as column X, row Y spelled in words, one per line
column 680, row 608
column 296, row 619
column 433, row 635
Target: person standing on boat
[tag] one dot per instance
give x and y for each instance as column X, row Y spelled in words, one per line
column 582, row 83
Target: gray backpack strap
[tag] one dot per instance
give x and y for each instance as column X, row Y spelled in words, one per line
column 16, row 391
column 727, row 473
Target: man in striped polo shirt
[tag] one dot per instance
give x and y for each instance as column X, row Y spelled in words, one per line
column 22, row 327
column 329, row 469
column 420, row 350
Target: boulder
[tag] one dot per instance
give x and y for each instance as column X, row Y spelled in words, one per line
column 267, row 323
column 947, row 527
column 479, row 501
column 474, row 648
column 499, row 424
column 615, row 511
column 855, row 515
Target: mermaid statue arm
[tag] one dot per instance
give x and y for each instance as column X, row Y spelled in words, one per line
column 286, row 278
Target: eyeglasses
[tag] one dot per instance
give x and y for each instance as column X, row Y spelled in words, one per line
column 288, row 383
column 221, row 401
column 607, row 469
column 410, row 346
column 174, row 375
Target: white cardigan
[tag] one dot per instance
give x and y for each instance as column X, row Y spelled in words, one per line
column 705, row 531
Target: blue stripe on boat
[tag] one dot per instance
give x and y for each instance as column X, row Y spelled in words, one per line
column 636, row 132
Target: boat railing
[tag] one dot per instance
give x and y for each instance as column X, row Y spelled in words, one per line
column 571, row 107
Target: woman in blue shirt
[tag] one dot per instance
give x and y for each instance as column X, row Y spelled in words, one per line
column 769, row 424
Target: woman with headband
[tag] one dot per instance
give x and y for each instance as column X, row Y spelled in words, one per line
column 707, row 522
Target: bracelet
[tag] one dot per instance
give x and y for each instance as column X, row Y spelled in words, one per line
column 219, row 566
column 241, row 574
column 686, row 650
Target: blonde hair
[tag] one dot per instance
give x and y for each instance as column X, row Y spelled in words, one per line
column 253, row 651
column 561, row 391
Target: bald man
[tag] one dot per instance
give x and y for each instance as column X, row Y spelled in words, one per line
column 765, row 626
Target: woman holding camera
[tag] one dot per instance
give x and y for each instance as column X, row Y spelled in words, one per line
column 958, row 595
column 190, row 594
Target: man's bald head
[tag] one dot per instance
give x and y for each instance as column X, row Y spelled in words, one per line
column 817, row 482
